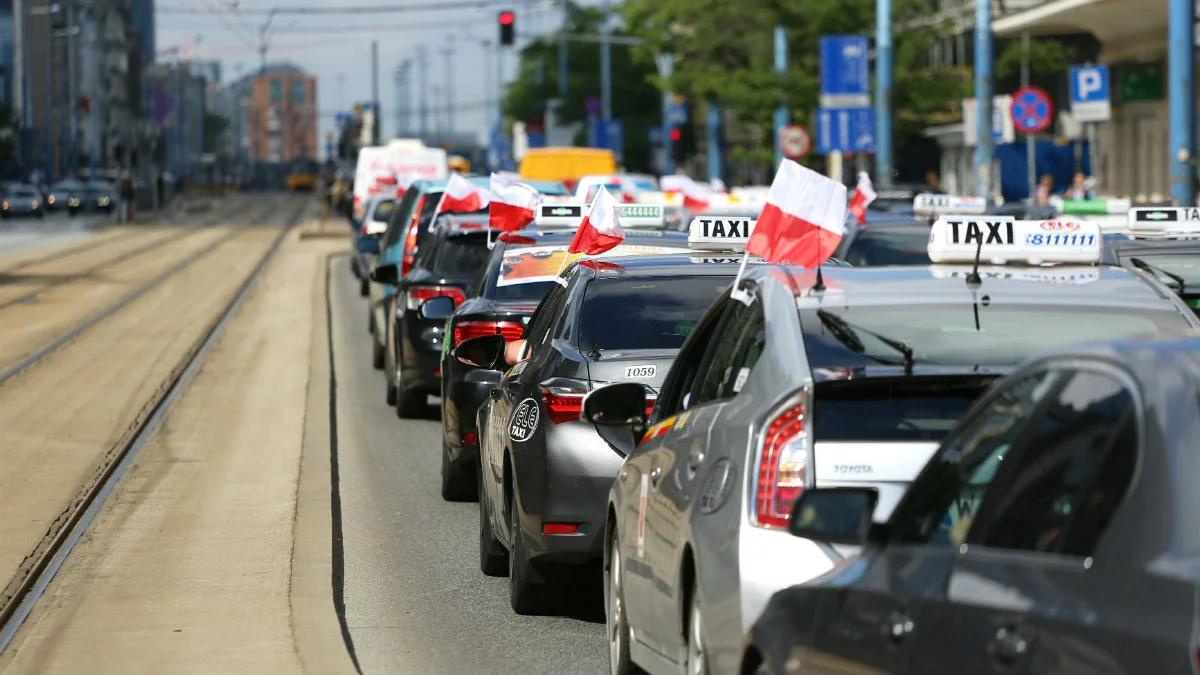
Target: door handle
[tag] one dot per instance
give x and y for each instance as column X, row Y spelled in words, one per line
column 695, row 459
column 1009, row 644
column 899, row 626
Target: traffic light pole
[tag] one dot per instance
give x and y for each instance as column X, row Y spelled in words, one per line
column 666, row 67
column 883, row 93
column 606, row 67
column 1181, row 69
column 983, row 97
column 781, row 113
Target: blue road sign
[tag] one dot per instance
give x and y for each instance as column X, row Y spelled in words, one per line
column 1032, row 111
column 845, row 130
column 1090, row 93
column 606, row 134
column 845, row 71
column 678, row 113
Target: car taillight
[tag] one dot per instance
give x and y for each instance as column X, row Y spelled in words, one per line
column 465, row 330
column 563, row 402
column 415, row 295
column 650, row 406
column 782, row 466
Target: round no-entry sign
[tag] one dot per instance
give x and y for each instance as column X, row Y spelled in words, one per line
column 1032, row 111
column 794, row 141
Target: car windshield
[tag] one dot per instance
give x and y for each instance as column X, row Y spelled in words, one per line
column 950, row 335
column 655, row 313
column 66, row 185
column 892, row 409
column 889, row 246
column 456, row 256
column 100, row 187
column 383, row 210
column 1183, row 265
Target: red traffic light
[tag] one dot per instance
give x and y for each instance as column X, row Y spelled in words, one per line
column 506, row 18
column 676, row 135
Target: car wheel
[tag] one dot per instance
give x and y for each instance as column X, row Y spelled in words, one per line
column 526, row 592
column 410, row 404
column 457, row 482
column 493, row 558
column 617, row 624
column 697, row 660
column 376, row 354
column 364, row 286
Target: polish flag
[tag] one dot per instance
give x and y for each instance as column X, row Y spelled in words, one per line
column 599, row 230
column 513, row 204
column 695, row 196
column 803, row 220
column 863, row 195
column 460, row 196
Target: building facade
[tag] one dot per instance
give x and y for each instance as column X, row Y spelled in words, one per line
column 281, row 115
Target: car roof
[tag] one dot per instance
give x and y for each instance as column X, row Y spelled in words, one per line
column 1105, row 286
column 704, row 263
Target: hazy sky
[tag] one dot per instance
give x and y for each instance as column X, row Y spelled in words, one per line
column 336, row 48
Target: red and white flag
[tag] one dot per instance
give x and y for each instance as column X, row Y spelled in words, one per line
column 863, row 195
column 695, row 196
column 513, row 204
column 461, row 196
column 599, row 230
column 803, row 220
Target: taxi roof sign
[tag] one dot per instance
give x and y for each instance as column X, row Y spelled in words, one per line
column 931, row 204
column 566, row 214
column 1094, row 207
column 570, row 214
column 1165, row 220
column 640, row 215
column 719, row 233
column 1001, row 240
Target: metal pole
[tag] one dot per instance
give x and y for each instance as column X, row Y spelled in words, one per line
column 72, row 30
column 781, row 113
column 375, row 131
column 983, row 97
column 1182, row 100
column 606, row 68
column 448, row 55
column 1030, row 150
column 666, row 67
column 423, row 65
column 883, row 93
column 714, row 140
column 563, row 56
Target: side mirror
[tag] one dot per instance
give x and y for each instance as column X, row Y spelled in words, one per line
column 834, row 515
column 619, row 413
column 436, row 309
column 367, row 244
column 485, row 351
column 386, row 274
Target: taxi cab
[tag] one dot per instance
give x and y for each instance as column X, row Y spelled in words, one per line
column 1163, row 242
column 545, row 473
column 849, row 378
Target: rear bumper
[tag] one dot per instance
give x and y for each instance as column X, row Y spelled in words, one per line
column 420, row 353
column 579, row 471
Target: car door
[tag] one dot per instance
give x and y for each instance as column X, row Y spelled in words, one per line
column 1028, row 592
column 647, row 511
column 893, row 605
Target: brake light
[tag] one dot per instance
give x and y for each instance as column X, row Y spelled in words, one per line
column 650, row 406
column 560, row 528
column 410, row 239
column 470, row 438
column 563, row 404
column 782, row 467
column 465, row 330
column 415, row 295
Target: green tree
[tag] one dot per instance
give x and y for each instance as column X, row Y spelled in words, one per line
column 635, row 100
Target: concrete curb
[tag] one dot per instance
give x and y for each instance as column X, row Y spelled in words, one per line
column 316, row 628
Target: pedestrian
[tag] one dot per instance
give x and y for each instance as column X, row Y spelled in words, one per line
column 1079, row 187
column 126, row 194
column 1044, row 188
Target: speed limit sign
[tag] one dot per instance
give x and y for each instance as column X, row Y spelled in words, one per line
column 794, row 141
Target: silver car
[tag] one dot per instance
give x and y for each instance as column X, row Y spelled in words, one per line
column 847, row 380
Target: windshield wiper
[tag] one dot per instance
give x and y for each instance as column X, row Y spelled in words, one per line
column 1154, row 270
column 846, row 333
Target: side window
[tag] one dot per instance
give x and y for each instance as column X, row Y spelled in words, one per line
column 719, row 372
column 1071, row 471
column 544, row 318
column 944, row 500
column 752, row 340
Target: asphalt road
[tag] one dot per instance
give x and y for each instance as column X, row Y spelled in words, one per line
column 20, row 234
column 415, row 599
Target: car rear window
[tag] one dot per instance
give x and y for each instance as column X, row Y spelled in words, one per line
column 383, row 210
column 960, row 335
column 457, row 256
column 656, row 313
column 884, row 409
column 889, row 247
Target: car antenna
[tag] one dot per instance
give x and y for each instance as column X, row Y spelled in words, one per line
column 820, row 285
column 973, row 279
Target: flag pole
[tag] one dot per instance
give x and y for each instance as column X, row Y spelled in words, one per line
column 437, row 212
column 737, row 293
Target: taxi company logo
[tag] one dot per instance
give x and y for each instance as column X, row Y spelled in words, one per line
column 973, row 231
column 1059, row 225
column 524, row 420
column 640, row 211
column 717, row 227
column 562, row 210
column 858, row 469
column 1157, row 216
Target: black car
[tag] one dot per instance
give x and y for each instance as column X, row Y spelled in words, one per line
column 518, row 275
column 65, row 194
column 545, row 473
column 885, row 239
column 1054, row 531
column 99, row 195
column 447, row 263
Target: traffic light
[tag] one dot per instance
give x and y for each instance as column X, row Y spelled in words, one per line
column 508, row 26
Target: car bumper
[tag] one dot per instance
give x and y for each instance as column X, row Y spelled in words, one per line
column 579, row 471
column 420, row 353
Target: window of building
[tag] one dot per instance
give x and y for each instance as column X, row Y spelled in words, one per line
column 276, row 89
column 298, row 91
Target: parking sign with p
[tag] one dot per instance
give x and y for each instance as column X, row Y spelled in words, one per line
column 1090, row 93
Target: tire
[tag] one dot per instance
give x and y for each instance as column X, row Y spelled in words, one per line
column 527, row 593
column 458, row 485
column 615, row 622
column 697, row 660
column 364, row 286
column 493, row 558
column 376, row 354
column 410, row 404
